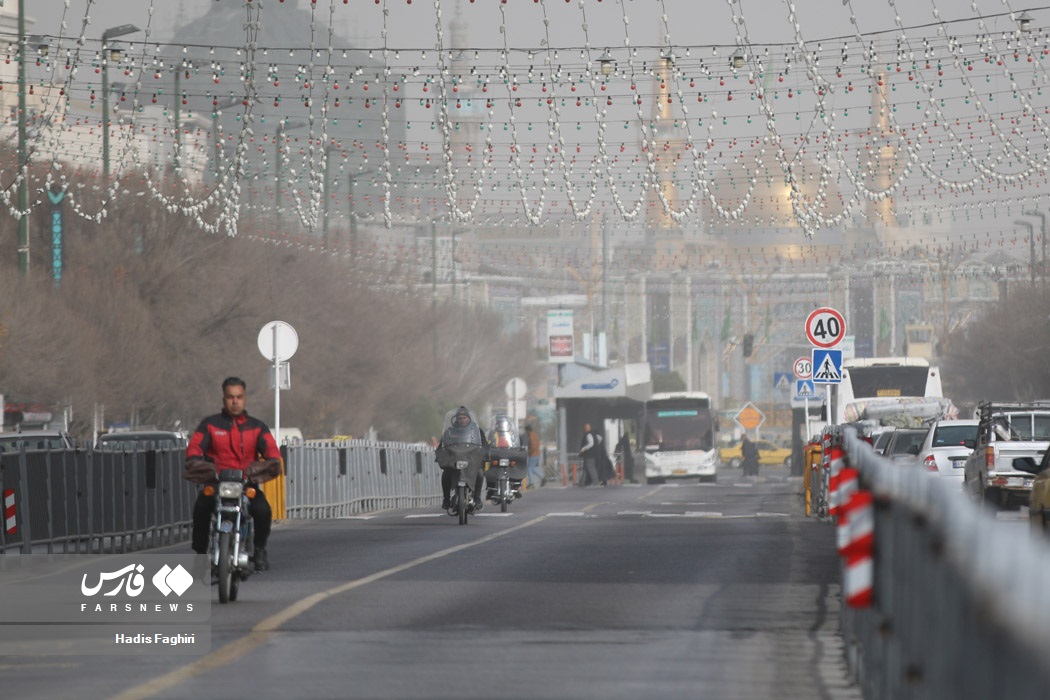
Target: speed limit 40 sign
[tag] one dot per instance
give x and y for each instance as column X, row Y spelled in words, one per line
column 825, row 327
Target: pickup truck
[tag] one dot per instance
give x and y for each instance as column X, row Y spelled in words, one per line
column 1006, row 431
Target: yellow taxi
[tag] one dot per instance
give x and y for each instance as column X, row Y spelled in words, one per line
column 768, row 453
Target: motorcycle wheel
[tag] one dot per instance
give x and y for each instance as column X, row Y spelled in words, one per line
column 461, row 503
column 504, row 494
column 225, row 570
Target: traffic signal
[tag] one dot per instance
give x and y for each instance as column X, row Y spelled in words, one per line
column 749, row 344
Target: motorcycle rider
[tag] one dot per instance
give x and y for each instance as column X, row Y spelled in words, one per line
column 232, row 439
column 462, row 418
column 503, row 434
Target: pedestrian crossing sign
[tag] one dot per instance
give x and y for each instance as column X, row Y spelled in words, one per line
column 804, row 389
column 827, row 366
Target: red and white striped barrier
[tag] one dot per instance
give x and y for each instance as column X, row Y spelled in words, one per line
column 9, row 512
column 856, row 542
column 841, row 486
column 859, row 573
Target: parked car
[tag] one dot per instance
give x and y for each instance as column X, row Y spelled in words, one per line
column 904, row 443
column 140, row 440
column 946, row 447
column 36, row 440
column 768, row 453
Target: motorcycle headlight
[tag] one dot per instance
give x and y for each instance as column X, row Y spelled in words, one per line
column 230, row 489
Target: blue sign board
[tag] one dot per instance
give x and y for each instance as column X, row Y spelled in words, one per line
column 827, row 366
column 782, row 380
column 804, row 389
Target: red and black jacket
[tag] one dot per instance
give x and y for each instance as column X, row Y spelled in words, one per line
column 232, row 443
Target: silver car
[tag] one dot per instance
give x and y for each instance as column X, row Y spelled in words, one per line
column 947, row 446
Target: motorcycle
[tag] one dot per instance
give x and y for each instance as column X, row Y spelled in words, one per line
column 461, row 449
column 230, row 542
column 507, row 463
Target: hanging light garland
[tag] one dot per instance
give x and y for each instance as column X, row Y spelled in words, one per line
column 683, row 132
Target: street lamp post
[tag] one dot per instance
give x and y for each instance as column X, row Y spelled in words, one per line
column 1042, row 233
column 108, row 54
column 1031, row 246
column 23, row 164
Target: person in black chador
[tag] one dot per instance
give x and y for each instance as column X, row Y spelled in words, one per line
column 749, row 456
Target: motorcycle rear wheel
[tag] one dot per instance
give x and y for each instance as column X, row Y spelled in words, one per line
column 225, row 569
column 504, row 494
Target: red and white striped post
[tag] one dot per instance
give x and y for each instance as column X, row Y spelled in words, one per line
column 856, row 542
column 9, row 512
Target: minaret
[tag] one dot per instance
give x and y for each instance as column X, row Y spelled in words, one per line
column 666, row 144
column 466, row 111
column 883, row 211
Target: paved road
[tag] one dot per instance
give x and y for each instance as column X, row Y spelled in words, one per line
column 679, row 591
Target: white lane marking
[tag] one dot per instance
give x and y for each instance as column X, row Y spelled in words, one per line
column 355, row 517
column 268, row 627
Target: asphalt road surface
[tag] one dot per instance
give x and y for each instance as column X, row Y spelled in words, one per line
column 686, row 590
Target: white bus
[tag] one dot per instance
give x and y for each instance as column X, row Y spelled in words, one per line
column 679, row 437
column 876, row 387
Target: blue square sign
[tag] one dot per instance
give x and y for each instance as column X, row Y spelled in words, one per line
column 827, row 366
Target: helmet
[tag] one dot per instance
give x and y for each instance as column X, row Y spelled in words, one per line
column 464, row 413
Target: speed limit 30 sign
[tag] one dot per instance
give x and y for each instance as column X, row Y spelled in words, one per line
column 803, row 368
column 825, row 327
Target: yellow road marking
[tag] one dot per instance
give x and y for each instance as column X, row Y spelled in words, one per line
column 269, row 626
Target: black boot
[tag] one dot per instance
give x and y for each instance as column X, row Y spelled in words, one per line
column 262, row 563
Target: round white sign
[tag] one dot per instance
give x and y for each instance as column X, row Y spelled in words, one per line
column 825, row 327
column 278, row 341
column 803, row 368
column 515, row 388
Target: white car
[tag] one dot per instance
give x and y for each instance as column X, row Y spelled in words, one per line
column 947, row 446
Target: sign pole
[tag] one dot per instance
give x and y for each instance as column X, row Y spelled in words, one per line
column 276, row 388
column 831, row 413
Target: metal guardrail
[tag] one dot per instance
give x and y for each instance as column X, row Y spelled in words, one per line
column 960, row 601
column 94, row 500
column 123, row 499
column 338, row 478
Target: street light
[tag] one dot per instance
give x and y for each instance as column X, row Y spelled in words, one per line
column 606, row 63
column 1042, row 233
column 1024, row 22
column 23, row 160
column 353, row 214
column 115, row 54
column 1031, row 245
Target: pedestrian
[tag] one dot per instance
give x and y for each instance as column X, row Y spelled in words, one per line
column 535, row 472
column 589, row 446
column 624, row 448
column 233, row 440
column 749, row 456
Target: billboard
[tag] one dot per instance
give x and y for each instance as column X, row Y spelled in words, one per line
column 560, row 335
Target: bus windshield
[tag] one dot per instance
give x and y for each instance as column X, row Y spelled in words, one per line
column 679, row 425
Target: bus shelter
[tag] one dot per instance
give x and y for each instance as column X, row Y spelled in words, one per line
column 616, row 393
